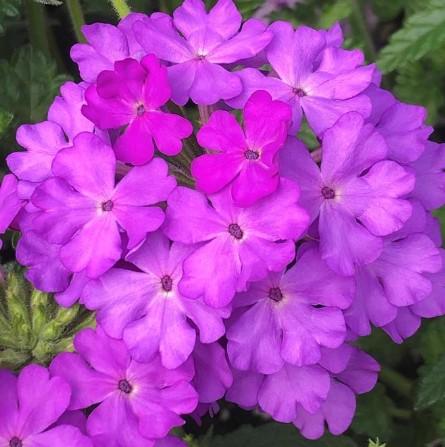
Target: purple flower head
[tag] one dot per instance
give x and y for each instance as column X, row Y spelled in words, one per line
column 137, row 403
column 280, row 394
column 10, row 203
column 356, row 194
column 30, row 404
column 314, row 78
column 352, row 372
column 106, row 44
column 150, row 313
column 402, row 125
column 429, row 169
column 213, row 375
column 248, row 242
column 44, row 140
column 246, row 159
column 400, row 277
column 199, row 44
column 83, row 210
column 289, row 316
column 132, row 95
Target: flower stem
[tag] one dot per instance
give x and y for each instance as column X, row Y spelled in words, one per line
column 77, row 18
column 37, row 26
column 204, row 114
column 396, row 381
column 362, row 27
column 121, row 8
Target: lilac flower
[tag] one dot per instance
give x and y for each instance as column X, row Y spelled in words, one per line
column 83, row 210
column 44, row 140
column 133, row 94
column 10, row 203
column 245, row 159
column 400, row 277
column 280, row 394
column 149, row 312
column 199, row 44
column 213, row 375
column 31, row 403
column 402, row 125
column 249, row 242
column 352, row 372
column 323, row 82
column 289, row 316
column 106, row 44
column 430, row 176
column 357, row 194
column 137, row 403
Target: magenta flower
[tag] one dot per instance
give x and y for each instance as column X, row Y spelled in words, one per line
column 10, row 203
column 352, row 372
column 106, row 44
column 249, row 242
column 199, row 45
column 133, row 95
column 429, row 169
column 83, row 210
column 357, row 194
column 150, row 313
column 44, row 140
column 289, row 316
column 137, row 403
column 31, row 403
column 245, row 159
column 400, row 277
column 323, row 82
column 402, row 125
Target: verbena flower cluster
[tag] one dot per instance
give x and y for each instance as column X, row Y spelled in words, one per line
column 223, row 258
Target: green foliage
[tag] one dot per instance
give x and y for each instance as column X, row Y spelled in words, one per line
column 373, row 416
column 29, row 83
column 422, row 33
column 375, row 443
column 274, row 434
column 33, row 328
column 8, row 9
column 432, row 385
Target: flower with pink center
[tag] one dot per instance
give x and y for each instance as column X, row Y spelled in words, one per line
column 199, row 47
column 133, row 95
column 150, row 313
column 136, row 403
column 357, row 194
column 249, row 242
column 246, row 159
column 289, row 316
column 83, row 209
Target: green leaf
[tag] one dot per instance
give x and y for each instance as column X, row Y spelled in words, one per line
column 339, row 10
column 375, row 443
column 422, row 33
column 432, row 385
column 5, row 120
column 8, row 9
column 388, row 10
column 432, row 339
column 29, row 84
column 420, row 83
column 274, row 435
column 373, row 415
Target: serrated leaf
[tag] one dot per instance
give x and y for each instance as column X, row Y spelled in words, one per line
column 432, row 385
column 274, row 435
column 422, row 33
column 373, row 415
column 420, row 83
column 29, row 83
